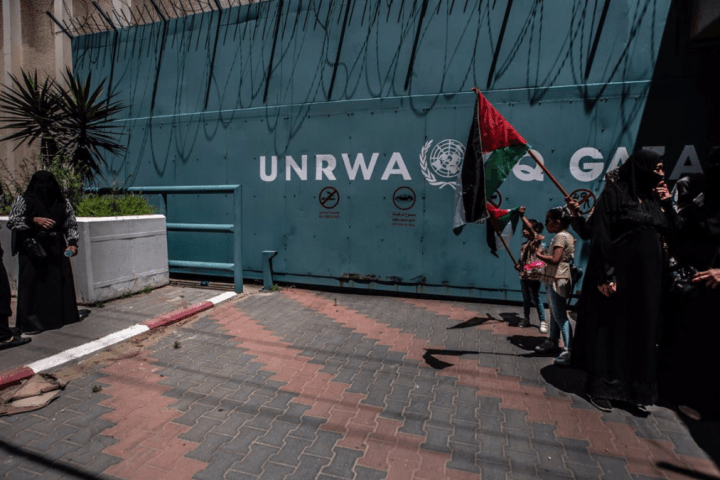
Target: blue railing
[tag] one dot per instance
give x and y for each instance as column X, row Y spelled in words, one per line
column 235, row 228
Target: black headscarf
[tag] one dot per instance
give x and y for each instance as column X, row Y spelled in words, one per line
column 44, row 198
column 638, row 173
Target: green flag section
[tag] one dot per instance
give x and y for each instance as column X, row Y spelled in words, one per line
column 493, row 149
column 501, row 222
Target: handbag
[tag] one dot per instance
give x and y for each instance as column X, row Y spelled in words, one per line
column 33, row 248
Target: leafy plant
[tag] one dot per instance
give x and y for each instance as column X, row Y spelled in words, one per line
column 33, row 109
column 275, row 288
column 114, row 205
column 85, row 128
column 176, row 344
column 96, row 389
column 72, row 121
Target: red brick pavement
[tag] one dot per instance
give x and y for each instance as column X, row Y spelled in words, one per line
column 605, row 437
column 148, row 442
column 150, row 448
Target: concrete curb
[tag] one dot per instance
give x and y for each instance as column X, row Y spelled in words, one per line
column 16, row 375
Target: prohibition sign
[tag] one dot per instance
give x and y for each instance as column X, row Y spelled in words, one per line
column 495, row 199
column 404, row 198
column 329, row 197
column 585, row 198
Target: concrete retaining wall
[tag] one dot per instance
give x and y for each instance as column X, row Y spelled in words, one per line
column 118, row 255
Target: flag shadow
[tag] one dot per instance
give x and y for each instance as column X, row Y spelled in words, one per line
column 436, row 363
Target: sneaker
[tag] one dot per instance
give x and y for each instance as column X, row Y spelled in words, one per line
column 524, row 323
column 563, row 359
column 547, row 346
column 543, row 327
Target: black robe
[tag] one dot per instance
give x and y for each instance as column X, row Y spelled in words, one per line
column 46, row 289
column 616, row 337
column 692, row 325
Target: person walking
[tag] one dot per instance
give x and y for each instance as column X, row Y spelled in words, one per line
column 46, row 235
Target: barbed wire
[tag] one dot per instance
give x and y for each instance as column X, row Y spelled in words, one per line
column 129, row 15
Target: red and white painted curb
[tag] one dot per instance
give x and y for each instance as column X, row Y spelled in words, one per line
column 21, row 373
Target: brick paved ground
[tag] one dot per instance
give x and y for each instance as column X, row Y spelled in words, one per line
column 306, row 385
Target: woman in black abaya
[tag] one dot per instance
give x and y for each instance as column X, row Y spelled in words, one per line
column 46, row 291
column 619, row 313
column 693, row 328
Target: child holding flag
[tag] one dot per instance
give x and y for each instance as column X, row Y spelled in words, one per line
column 557, row 282
column 530, row 268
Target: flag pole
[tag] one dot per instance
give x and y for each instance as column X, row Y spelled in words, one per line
column 547, row 172
column 507, row 249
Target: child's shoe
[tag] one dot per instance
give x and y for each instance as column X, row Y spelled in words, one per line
column 543, row 327
column 524, row 323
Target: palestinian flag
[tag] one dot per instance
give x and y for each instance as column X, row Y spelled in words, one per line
column 501, row 222
column 493, row 149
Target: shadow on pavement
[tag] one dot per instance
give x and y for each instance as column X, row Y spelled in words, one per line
column 473, row 322
column 436, row 363
column 528, row 343
column 685, row 472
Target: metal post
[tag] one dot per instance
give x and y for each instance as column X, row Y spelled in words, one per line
column 268, row 255
column 64, row 30
column 237, row 238
column 105, row 16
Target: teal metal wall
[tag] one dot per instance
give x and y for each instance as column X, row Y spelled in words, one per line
column 212, row 95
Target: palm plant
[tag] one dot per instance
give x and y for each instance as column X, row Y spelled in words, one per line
column 72, row 121
column 31, row 108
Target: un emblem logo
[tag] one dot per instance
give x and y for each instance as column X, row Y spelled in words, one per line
column 445, row 161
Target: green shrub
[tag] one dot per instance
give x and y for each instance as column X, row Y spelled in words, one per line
column 114, row 205
column 14, row 184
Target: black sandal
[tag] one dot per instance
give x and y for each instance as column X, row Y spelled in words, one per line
column 14, row 342
column 601, row 404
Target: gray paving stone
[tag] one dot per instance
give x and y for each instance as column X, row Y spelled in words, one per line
column 463, row 458
column 241, row 443
column 343, row 463
column 309, row 467
column 44, row 444
column 291, row 452
column 613, row 468
column 207, row 448
column 254, row 462
column 219, row 467
column 365, row 473
column 437, row 440
column 277, row 434
column 192, row 414
column 323, row 445
column 275, row 471
column 294, row 413
column 308, row 427
column 199, row 432
column 264, row 418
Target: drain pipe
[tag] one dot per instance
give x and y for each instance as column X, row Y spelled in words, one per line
column 268, row 255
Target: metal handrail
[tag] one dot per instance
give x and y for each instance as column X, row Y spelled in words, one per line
column 235, row 227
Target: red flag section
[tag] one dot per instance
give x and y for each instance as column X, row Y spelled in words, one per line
column 495, row 131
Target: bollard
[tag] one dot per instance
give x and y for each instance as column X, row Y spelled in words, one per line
column 267, row 268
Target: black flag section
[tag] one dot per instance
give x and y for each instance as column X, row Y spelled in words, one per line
column 470, row 202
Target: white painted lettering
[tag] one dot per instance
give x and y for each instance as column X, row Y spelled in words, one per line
column 687, row 163
column 621, row 154
column 360, row 164
column 396, row 166
column 327, row 170
column 532, row 172
column 273, row 169
column 300, row 171
column 590, row 170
